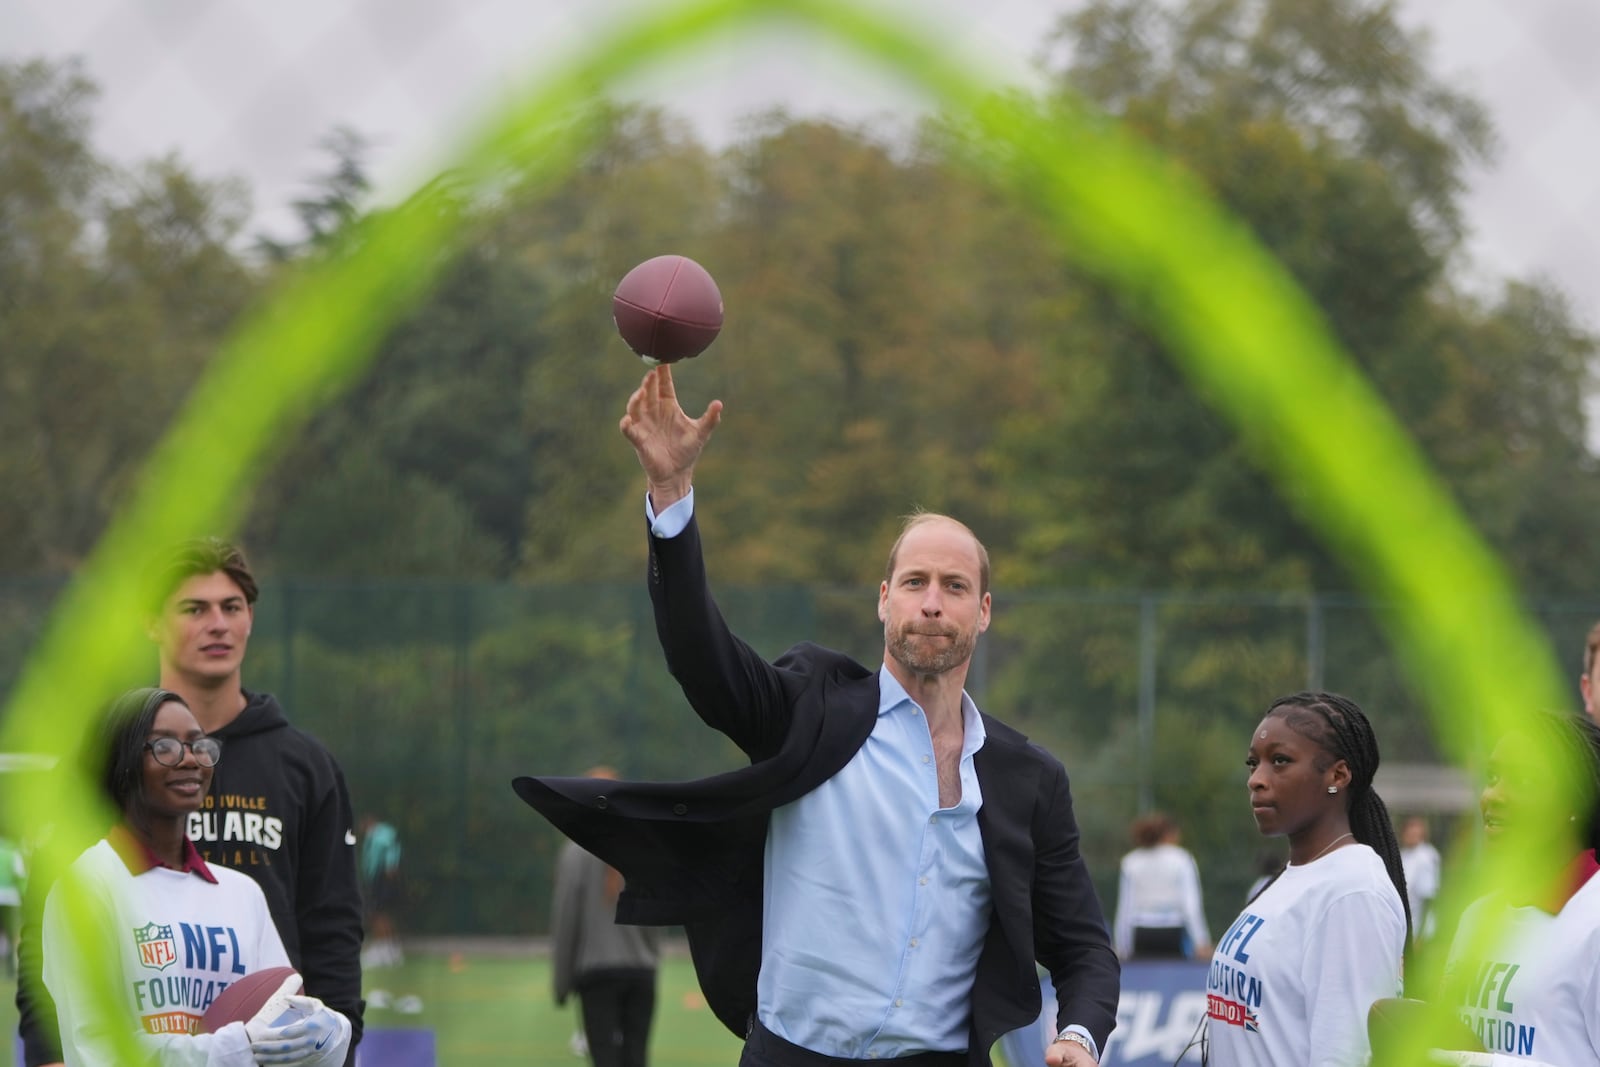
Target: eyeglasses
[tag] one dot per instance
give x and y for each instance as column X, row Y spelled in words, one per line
column 168, row 751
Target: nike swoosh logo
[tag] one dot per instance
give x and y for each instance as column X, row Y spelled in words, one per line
column 325, row 1039
column 349, row 837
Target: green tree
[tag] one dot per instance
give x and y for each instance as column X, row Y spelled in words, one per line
column 116, row 286
column 489, row 414
column 337, row 200
column 1320, row 125
column 887, row 322
column 1513, row 433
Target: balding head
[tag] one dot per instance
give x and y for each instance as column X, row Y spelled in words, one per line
column 920, row 519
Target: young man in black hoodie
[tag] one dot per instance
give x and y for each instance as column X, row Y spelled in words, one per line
column 278, row 809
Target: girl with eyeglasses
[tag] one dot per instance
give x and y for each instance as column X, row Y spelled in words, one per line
column 140, row 921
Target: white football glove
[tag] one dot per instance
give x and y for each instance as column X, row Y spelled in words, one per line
column 314, row 1036
column 276, row 1011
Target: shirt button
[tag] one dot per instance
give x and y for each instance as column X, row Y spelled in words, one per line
column 913, row 942
column 922, row 881
column 680, row 809
column 602, row 803
column 897, row 1002
column 924, row 759
column 933, row 818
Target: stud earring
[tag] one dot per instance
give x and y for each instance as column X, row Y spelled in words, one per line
column 1333, row 789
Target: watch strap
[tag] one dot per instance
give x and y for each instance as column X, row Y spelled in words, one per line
column 1077, row 1038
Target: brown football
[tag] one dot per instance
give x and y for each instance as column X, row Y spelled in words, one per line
column 242, row 999
column 667, row 308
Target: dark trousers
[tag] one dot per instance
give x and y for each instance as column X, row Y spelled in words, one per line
column 763, row 1048
column 1160, row 943
column 618, row 1007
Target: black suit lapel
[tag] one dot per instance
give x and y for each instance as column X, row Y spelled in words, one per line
column 844, row 717
column 1009, row 785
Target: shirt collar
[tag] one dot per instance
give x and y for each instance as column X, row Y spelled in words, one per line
column 1582, row 868
column 138, row 857
column 891, row 694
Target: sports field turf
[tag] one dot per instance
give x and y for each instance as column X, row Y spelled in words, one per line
column 496, row 1011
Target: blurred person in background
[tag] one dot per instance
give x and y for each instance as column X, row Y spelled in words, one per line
column 1268, row 866
column 1589, row 680
column 1292, row 980
column 1420, row 861
column 278, row 809
column 379, row 863
column 1159, row 913
column 610, row 967
column 11, row 879
column 116, row 922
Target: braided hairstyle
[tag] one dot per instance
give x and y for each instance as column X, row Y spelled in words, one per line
column 1584, row 735
column 1571, row 747
column 1341, row 728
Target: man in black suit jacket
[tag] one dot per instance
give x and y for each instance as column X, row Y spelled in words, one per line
column 823, row 734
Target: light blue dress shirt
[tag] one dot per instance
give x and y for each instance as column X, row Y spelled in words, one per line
column 876, row 899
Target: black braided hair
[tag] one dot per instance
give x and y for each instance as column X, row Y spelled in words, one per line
column 1575, row 739
column 1338, row 725
column 1587, row 739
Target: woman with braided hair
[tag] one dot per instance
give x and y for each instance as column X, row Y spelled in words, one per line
column 1291, row 981
column 1529, row 988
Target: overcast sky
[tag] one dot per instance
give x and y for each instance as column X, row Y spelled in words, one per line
column 248, row 89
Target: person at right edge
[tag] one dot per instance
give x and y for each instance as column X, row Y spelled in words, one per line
column 878, row 883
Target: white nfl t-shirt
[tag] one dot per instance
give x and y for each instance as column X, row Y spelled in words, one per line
column 1537, row 996
column 171, row 942
column 1292, row 979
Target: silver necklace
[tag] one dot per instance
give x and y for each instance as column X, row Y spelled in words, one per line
column 1326, row 847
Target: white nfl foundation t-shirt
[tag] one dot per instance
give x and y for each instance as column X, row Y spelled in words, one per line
column 1537, row 995
column 1292, row 979
column 172, row 943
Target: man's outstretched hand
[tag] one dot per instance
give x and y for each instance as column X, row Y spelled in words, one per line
column 667, row 441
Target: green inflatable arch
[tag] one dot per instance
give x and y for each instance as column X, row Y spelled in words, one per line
column 1242, row 331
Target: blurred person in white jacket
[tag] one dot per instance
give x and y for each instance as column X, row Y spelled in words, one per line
column 1159, row 913
column 1420, row 861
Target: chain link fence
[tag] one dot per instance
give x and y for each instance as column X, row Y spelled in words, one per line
column 434, row 696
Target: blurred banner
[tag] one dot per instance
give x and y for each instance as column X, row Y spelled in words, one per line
column 378, row 1048
column 1158, row 1018
column 397, row 1048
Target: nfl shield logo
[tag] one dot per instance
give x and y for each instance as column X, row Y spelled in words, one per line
column 157, row 948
